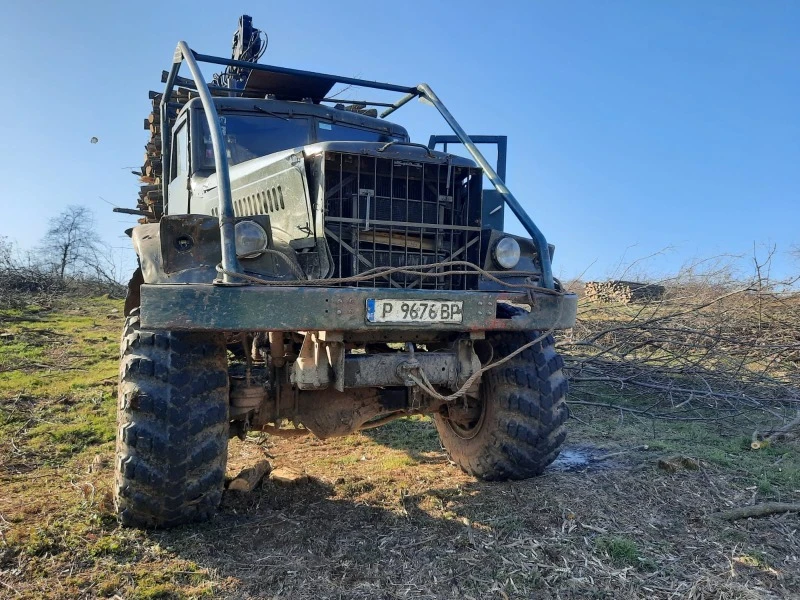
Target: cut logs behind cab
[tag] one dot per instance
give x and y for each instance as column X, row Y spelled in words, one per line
column 623, row 292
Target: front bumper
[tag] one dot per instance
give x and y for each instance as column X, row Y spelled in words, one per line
column 206, row 307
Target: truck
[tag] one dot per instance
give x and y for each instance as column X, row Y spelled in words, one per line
column 306, row 268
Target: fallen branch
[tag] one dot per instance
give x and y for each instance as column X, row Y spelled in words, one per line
column 758, row 510
column 647, row 412
column 621, row 452
column 13, row 589
column 249, row 478
column 22, row 319
column 712, row 350
column 784, row 431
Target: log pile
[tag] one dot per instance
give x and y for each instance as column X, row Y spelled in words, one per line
column 623, row 292
column 151, row 199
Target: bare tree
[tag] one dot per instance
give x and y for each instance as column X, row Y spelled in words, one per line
column 6, row 251
column 106, row 265
column 71, row 241
column 70, row 259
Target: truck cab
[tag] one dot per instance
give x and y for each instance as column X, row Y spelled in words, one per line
column 255, row 129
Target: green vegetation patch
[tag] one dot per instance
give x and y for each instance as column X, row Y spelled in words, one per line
column 74, row 429
column 415, row 435
column 622, row 551
column 58, row 371
column 722, row 443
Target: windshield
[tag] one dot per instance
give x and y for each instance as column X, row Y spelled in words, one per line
column 338, row 132
column 249, row 136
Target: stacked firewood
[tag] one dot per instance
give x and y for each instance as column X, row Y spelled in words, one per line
column 623, row 292
column 151, row 199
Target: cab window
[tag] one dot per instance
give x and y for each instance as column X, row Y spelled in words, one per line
column 180, row 152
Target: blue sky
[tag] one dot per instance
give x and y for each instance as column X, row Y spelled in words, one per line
column 633, row 126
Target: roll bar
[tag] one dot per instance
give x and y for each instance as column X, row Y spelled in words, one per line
column 230, row 262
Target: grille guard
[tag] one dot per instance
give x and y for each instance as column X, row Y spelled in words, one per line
column 381, row 211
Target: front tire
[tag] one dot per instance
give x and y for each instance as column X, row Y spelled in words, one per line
column 515, row 429
column 172, row 426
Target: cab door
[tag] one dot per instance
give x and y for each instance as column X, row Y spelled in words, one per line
column 179, row 189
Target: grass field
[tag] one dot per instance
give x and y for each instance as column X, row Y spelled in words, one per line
column 384, row 514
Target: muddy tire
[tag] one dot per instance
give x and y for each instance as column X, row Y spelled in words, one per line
column 519, row 423
column 172, row 426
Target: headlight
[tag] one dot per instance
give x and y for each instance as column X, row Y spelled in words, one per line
column 251, row 239
column 507, row 252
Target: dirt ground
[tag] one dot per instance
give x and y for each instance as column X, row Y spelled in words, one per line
column 617, row 527
column 384, row 514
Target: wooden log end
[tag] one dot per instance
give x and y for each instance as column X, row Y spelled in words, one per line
column 288, row 476
column 247, row 480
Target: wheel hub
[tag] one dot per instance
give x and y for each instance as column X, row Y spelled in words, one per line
column 466, row 420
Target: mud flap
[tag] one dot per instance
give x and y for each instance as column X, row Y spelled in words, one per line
column 133, row 296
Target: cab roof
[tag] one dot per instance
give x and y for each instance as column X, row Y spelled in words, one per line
column 307, row 109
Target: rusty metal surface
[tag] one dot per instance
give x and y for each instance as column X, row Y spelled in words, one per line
column 186, row 249
column 311, row 370
column 375, row 370
column 132, row 296
column 332, row 414
column 263, row 308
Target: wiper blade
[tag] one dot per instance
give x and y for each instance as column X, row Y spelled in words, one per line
column 269, row 112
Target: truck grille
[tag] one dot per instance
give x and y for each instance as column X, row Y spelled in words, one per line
column 382, row 212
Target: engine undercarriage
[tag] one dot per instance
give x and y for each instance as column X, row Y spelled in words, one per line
column 333, row 387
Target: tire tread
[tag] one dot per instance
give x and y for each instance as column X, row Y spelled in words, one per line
column 524, row 429
column 172, row 437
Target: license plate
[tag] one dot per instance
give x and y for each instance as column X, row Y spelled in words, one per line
column 418, row 311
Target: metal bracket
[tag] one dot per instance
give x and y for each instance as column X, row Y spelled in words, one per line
column 392, row 143
column 468, row 361
column 334, row 346
column 311, row 370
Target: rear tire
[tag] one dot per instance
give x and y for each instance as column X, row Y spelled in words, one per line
column 517, row 429
column 172, row 426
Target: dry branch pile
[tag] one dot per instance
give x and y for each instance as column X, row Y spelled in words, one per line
column 624, row 292
column 34, row 278
column 705, row 351
column 21, row 285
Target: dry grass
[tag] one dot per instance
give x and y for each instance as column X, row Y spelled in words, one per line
column 385, row 515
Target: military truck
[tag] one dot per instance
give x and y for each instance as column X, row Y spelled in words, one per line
column 305, row 266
